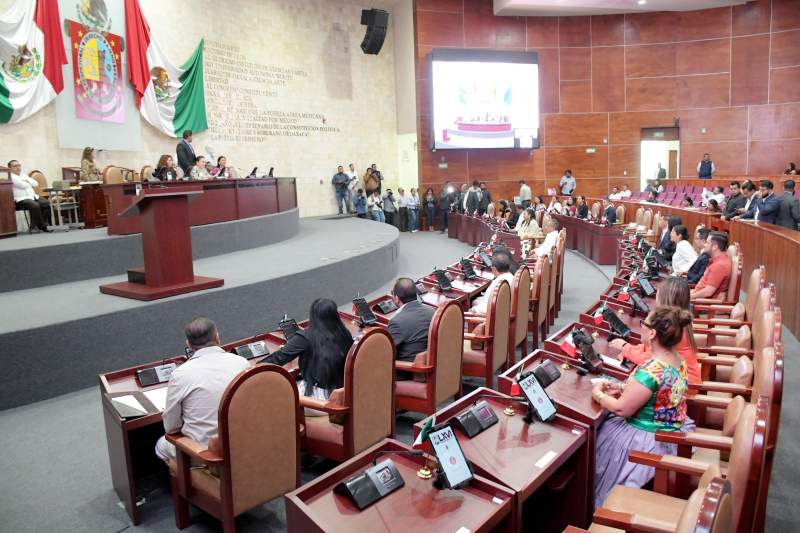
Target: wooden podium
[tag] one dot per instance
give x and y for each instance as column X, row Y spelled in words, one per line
column 167, row 247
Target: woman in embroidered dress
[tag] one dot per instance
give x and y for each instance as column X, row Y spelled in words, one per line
column 653, row 399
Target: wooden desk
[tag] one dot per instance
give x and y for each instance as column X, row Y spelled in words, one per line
column 131, row 441
column 453, row 225
column 547, row 465
column 222, row 200
column 383, row 318
column 8, row 212
column 416, row 507
column 572, row 394
column 553, row 342
column 71, row 175
column 595, row 241
column 622, row 311
column 93, row 205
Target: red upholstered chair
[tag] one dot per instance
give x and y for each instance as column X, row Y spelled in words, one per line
column 739, row 311
column 437, row 371
column 362, row 412
column 254, row 459
column 495, row 339
column 520, row 305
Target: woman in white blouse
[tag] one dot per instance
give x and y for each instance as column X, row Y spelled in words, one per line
column 685, row 254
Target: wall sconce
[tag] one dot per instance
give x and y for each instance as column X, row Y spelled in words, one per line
column 703, row 131
column 605, row 140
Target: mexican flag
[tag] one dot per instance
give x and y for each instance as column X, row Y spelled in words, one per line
column 422, row 442
column 170, row 98
column 31, row 55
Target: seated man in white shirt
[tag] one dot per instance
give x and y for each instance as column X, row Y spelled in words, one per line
column 196, row 387
column 615, row 194
column 625, row 192
column 550, row 229
column 26, row 198
column 717, row 193
column 501, row 268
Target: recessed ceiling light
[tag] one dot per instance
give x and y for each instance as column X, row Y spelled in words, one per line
column 642, row 2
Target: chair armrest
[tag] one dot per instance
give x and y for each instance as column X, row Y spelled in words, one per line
column 700, row 305
column 720, row 386
column 703, row 400
column 726, row 350
column 699, row 440
column 631, row 523
column 474, row 317
column 193, row 448
column 477, row 338
column 717, row 361
column 672, row 463
column 325, row 406
column 719, row 332
column 409, row 366
column 709, row 301
column 711, row 322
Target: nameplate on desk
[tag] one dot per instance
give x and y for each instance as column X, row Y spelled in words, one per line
column 614, row 363
column 476, row 419
column 371, row 485
column 387, row 306
column 252, row 350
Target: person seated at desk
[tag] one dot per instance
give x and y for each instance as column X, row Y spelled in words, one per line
column 165, row 169
column 685, row 254
column 609, row 212
column 569, row 206
column 198, row 171
column 713, row 206
column 89, row 171
column 625, row 192
column 665, row 245
column 555, row 206
column 322, row 348
column 550, row 229
column 528, row 230
column 714, row 283
column 515, row 216
column 25, row 197
column 653, row 399
column 222, row 170
column 409, row 325
column 698, row 268
column 673, row 292
column 615, row 195
column 196, row 387
column 715, row 193
column 582, row 210
column 501, row 268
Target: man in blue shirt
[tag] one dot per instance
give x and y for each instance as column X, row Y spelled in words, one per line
column 766, row 207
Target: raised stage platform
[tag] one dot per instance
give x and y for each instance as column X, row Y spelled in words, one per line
column 56, row 338
column 44, row 259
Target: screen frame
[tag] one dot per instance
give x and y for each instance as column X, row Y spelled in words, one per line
column 447, row 483
column 480, row 55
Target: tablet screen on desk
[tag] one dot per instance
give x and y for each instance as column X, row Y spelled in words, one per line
column 451, row 457
column 538, row 399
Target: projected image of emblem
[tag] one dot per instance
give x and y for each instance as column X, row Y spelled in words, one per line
column 97, row 69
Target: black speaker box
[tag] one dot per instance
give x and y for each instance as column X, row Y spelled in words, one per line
column 376, row 21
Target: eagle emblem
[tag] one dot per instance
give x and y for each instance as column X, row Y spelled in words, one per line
column 24, row 66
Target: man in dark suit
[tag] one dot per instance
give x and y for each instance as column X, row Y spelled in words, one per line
column 446, row 198
column 186, row 156
column 409, row 326
column 789, row 210
column 698, row 268
column 766, row 207
column 665, row 244
column 486, row 199
column 736, row 201
column 609, row 212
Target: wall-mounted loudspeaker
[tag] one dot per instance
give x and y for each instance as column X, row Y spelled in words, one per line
column 376, row 21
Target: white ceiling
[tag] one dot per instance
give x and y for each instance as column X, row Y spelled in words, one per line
column 600, row 7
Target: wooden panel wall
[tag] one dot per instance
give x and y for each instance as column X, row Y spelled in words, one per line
column 733, row 71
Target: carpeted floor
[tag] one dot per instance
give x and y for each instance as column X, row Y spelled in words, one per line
column 55, row 474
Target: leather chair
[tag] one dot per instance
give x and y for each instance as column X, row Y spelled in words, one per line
column 551, row 297
column 495, row 340
column 596, row 210
column 637, row 221
column 520, row 304
column 254, row 459
column 362, row 412
column 620, row 216
column 746, row 450
column 112, row 174
column 145, row 173
column 540, row 291
column 708, row 509
column 744, row 310
column 722, row 331
column 437, row 371
column 42, row 183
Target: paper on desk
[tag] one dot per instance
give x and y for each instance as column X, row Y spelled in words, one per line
column 546, row 458
column 130, row 401
column 158, row 397
column 613, row 362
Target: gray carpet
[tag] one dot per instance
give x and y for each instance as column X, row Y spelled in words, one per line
column 55, row 467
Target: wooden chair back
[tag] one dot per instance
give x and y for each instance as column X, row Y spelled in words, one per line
column 112, row 175
column 639, row 215
column 544, row 289
column 621, row 214
column 746, row 462
column 259, row 419
column 708, row 510
column 498, row 325
column 41, row 183
column 446, row 351
column 735, row 282
column 520, row 304
column 768, row 383
column 369, row 391
column 553, row 282
column 596, row 210
column 145, row 173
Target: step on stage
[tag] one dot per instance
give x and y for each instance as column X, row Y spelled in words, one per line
column 59, row 331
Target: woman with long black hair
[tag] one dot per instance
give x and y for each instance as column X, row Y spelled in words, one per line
column 322, row 349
